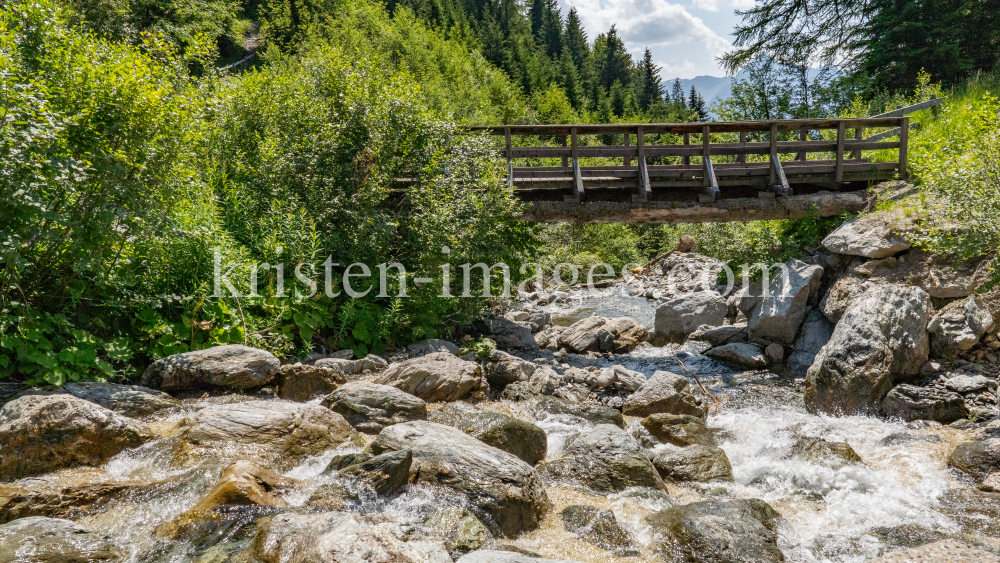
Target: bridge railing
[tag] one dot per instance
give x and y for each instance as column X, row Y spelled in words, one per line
column 693, row 162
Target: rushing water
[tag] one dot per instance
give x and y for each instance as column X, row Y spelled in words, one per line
column 848, row 514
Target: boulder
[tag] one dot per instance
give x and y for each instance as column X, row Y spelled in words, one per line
column 715, row 531
column 870, row 238
column 387, row 473
column 599, row 527
column 336, row 536
column 370, row 364
column 37, row 539
column 129, row 400
column 783, row 306
column 508, row 335
column 523, row 439
column 978, row 458
column 548, row 339
column 841, row 294
column 285, row 432
column 697, row 463
column 617, row 377
column 42, row 498
column 678, row 429
column 605, row 459
column 232, row 366
column 717, row 336
column 958, row 327
column 369, row 407
column 815, row 333
column 940, row 275
column 501, row 369
column 831, row 454
column 881, row 339
column 680, row 316
column 664, row 392
column 910, row 402
column 42, row 433
column 301, row 383
column 242, row 484
column 967, row 383
column 739, row 354
column 991, row 484
column 436, row 377
column 430, row 346
column 458, row 528
column 942, row 551
column 599, row 414
column 493, row 556
column 598, row 334
column 505, row 493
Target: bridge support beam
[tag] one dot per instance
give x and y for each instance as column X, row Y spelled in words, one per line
column 827, row 204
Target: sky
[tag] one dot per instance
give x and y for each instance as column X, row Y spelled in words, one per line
column 684, row 36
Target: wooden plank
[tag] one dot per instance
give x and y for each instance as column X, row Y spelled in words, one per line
column 640, row 141
column 900, row 112
column 772, row 150
column 803, row 136
column 781, row 186
column 742, row 156
column 904, row 139
column 838, row 175
column 859, row 134
column 565, row 157
column 687, row 141
column 884, row 135
column 627, row 160
column 577, row 177
column 679, row 128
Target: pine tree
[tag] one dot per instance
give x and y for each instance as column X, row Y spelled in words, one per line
column 652, row 90
column 537, row 15
column 616, row 64
column 677, row 92
column 552, row 36
column 576, row 41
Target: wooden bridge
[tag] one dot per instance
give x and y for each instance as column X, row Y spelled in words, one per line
column 702, row 172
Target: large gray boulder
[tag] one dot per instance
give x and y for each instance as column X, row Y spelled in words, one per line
column 815, row 333
column 37, row 539
column 978, row 458
column 678, row 429
column 598, row 334
column 42, row 433
column 599, row 527
column 509, row 335
column 881, row 339
column 743, row 355
column 680, row 316
column 284, row 433
column 843, row 291
column 665, row 392
column 430, row 346
column 697, row 462
column 865, row 237
column 523, row 439
column 544, row 406
column 129, row 400
column 231, row 366
column 779, row 313
column 958, row 327
column 605, row 459
column 505, row 493
column 910, row 402
column 824, row 452
column 714, row 531
column 336, row 536
column 370, row 407
column 301, row 383
column 369, row 364
column 436, row 377
column 501, row 369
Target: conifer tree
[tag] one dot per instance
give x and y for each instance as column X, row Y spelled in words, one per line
column 651, row 91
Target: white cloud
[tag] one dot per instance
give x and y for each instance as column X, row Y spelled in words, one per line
column 673, row 69
column 717, row 5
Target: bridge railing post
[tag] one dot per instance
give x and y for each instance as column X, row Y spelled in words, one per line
column 904, row 138
column 510, row 161
column 687, row 141
column 640, row 142
column 710, row 190
column 577, row 176
column 838, row 174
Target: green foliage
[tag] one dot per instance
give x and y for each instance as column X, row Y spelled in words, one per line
column 480, row 347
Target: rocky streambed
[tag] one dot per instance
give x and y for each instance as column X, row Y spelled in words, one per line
column 844, row 421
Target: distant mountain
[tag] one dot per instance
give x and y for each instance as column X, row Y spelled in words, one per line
column 710, row 87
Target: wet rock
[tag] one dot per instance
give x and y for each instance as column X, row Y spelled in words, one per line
column 881, row 338
column 599, row 414
column 733, row 531
column 436, row 377
column 840, row 295
column 815, row 333
column 679, row 429
column 906, row 438
column 868, row 238
column 910, row 402
column 369, row 364
column 774, row 353
column 698, row 463
column 680, row 316
column 129, row 400
column 241, row 484
column 991, row 484
column 285, row 432
column 493, row 556
column 598, row 334
column 458, row 528
column 369, row 407
column 501, row 369
column 301, row 383
column 958, row 327
column 42, row 433
column 978, row 458
column 604, row 459
column 740, row 354
column 505, row 493
column 508, row 335
column 617, row 377
column 50, row 540
column 337, row 536
column 967, row 383
column 783, row 306
column 232, row 366
column 548, row 339
column 430, row 346
column 664, row 392
column 599, row 527
column 717, row 336
column 23, row 499
column 523, row 439
column 387, row 473
column 831, row 454
column 944, row 551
